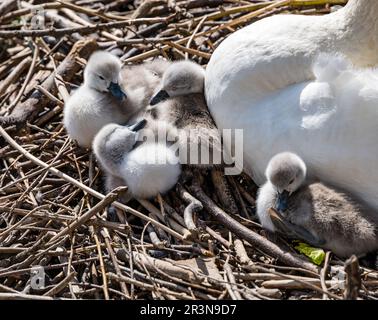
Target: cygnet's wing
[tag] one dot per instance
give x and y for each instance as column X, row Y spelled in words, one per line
column 293, row 231
column 198, row 127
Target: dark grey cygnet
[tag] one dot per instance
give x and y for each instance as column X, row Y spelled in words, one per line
column 317, row 213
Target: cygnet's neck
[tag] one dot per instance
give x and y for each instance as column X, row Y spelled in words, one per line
column 357, row 31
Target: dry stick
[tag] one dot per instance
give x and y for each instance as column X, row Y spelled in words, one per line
column 16, row 225
column 148, row 286
column 22, row 296
column 61, row 285
column 105, row 234
column 109, row 198
column 81, row 30
column 184, row 233
column 231, row 277
column 7, row 5
column 20, row 12
column 16, row 273
column 193, row 52
column 241, row 253
column 353, row 278
column 223, row 191
column 200, row 24
column 82, row 22
column 27, row 79
column 250, row 236
column 293, row 282
column 256, row 13
column 15, row 74
column 246, row 18
column 238, row 196
column 37, row 101
column 6, row 289
column 193, row 205
column 102, row 266
column 323, row 274
column 83, row 187
column 84, row 10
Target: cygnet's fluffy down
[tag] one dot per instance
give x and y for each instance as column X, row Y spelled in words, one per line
column 99, row 101
column 180, row 101
column 109, row 94
column 147, row 170
column 150, row 169
column 140, row 82
column 317, row 213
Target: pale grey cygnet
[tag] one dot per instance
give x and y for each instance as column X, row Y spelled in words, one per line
column 113, row 147
column 109, row 94
column 98, row 101
column 180, row 101
column 319, row 214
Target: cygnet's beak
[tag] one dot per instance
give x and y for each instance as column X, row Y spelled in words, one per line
column 282, row 201
column 159, row 97
column 138, row 126
column 116, row 91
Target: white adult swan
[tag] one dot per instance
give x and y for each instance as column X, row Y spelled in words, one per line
column 262, row 79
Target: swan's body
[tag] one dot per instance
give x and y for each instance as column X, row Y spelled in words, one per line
column 261, row 79
column 319, row 214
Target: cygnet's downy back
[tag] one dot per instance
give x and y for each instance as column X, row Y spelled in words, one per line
column 147, row 170
column 315, row 212
column 140, row 82
column 180, row 101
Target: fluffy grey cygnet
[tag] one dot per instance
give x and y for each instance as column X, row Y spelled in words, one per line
column 147, row 170
column 109, row 94
column 317, row 213
column 180, row 101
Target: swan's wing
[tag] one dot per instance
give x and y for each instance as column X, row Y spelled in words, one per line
column 317, row 105
column 266, row 56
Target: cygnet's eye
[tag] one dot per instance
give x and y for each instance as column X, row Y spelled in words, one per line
column 291, row 181
column 101, row 77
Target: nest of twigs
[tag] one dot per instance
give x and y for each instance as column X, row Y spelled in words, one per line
column 199, row 241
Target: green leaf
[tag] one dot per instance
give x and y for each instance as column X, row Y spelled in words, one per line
column 316, row 255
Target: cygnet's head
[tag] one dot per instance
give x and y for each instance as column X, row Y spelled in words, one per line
column 102, row 74
column 180, row 78
column 113, row 141
column 286, row 172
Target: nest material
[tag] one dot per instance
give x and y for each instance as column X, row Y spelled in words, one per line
column 200, row 240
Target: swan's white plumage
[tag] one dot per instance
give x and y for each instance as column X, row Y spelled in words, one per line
column 263, row 79
column 150, row 169
column 331, row 125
